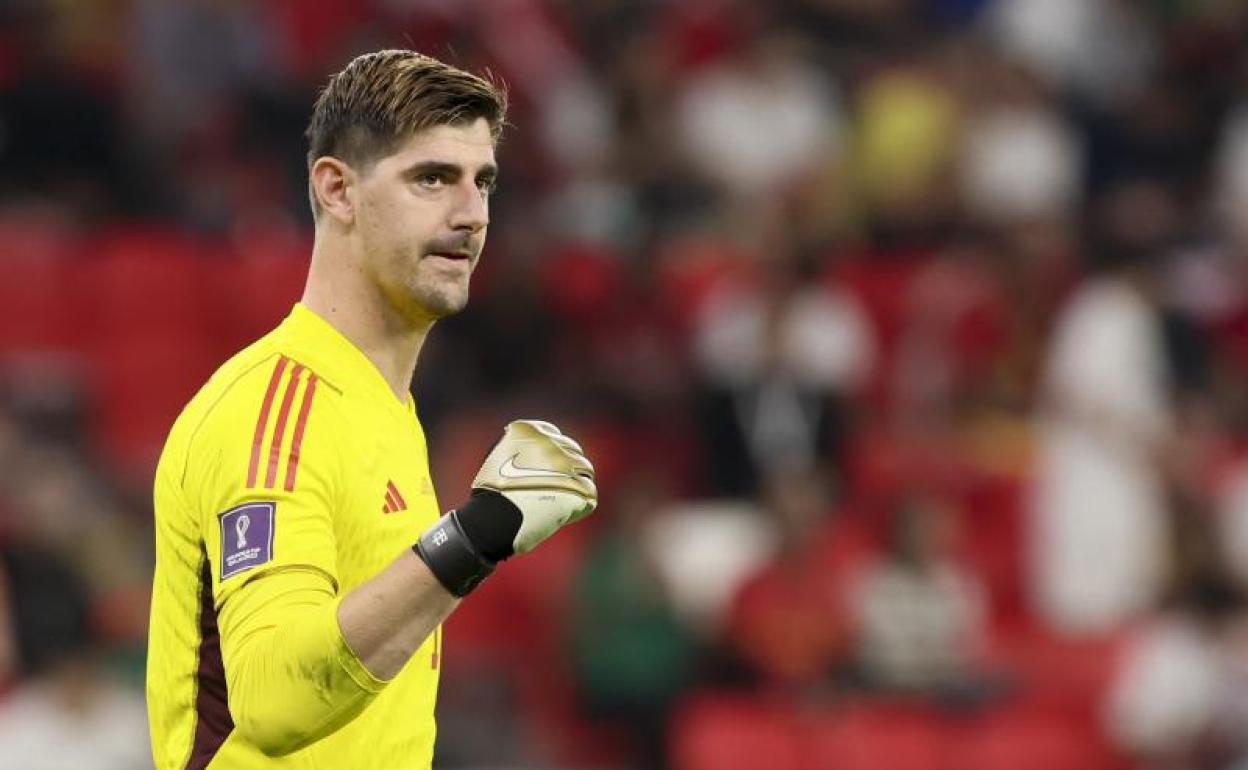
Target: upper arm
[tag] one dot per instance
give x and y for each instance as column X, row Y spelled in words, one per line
column 264, row 476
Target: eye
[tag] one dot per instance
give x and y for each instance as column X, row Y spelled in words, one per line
column 433, row 179
column 487, row 186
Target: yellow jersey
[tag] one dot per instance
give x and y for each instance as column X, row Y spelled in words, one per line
column 295, row 461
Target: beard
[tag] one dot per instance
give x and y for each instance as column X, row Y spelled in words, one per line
column 437, row 298
column 438, row 288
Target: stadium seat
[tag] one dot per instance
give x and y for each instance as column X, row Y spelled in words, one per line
column 1023, row 738
column 39, row 291
column 881, row 736
column 1067, row 677
column 727, row 732
column 141, row 382
column 994, row 544
column 143, row 280
column 258, row 284
column 149, row 341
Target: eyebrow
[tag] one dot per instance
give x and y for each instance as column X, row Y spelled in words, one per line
column 489, row 171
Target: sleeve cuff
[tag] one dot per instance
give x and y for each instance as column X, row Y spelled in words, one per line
column 351, row 662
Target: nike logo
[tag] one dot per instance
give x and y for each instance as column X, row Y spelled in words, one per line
column 509, row 470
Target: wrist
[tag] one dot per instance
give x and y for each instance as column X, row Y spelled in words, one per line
column 491, row 522
column 452, row 558
column 465, row 545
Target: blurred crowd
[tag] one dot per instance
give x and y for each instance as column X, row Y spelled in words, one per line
column 910, row 338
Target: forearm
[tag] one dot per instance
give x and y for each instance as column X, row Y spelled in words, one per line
column 301, row 664
column 292, row 678
column 386, row 619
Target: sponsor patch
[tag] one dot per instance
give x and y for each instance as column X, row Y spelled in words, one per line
column 246, row 537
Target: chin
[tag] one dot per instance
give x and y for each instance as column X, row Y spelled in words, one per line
column 441, row 304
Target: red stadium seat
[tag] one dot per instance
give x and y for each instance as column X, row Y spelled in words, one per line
column 1026, row 739
column 39, row 306
column 146, row 277
column 39, row 302
column 1067, row 677
column 995, row 544
column 723, row 732
column 874, row 737
column 150, row 341
column 141, row 382
column 258, row 284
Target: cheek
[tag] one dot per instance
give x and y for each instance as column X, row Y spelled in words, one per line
column 381, row 207
column 412, row 227
column 398, row 225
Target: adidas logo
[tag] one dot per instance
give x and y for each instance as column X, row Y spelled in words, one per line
column 394, row 501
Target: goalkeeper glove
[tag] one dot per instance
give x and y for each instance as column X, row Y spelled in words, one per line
column 534, row 481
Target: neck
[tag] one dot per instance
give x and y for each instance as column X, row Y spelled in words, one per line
column 339, row 292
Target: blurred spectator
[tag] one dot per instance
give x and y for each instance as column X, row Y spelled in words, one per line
column 191, row 65
column 954, row 334
column 919, row 615
column 189, row 59
column 1233, row 167
column 62, row 137
column 1232, row 524
column 1021, row 160
column 758, row 121
column 66, row 713
column 1099, row 515
column 59, row 504
column 780, row 356
column 632, row 655
column 789, row 623
column 1178, row 701
column 1101, row 49
column 906, row 137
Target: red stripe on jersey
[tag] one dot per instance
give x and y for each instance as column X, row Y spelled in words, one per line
column 391, row 505
column 279, row 432
column 402, row 504
column 292, row 463
column 258, row 438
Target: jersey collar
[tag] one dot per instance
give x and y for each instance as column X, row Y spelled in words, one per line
column 327, row 351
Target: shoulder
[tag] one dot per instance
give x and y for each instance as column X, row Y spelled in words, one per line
column 258, row 415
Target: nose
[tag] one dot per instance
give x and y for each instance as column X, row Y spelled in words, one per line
column 471, row 209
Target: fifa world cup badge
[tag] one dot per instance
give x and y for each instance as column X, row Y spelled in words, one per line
column 246, row 537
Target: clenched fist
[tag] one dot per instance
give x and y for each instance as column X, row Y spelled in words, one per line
column 534, row 481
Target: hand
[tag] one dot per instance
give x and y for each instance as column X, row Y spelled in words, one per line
column 545, row 474
column 534, row 481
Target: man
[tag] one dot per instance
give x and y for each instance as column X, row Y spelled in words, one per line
column 302, row 571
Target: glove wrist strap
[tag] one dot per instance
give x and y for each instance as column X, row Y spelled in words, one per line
column 451, row 556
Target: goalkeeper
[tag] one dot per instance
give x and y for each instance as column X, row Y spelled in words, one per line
column 303, row 566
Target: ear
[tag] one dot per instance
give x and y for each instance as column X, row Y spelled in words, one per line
column 333, row 187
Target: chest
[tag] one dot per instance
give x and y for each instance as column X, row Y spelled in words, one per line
column 388, row 499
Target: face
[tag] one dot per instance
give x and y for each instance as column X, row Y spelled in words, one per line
column 422, row 214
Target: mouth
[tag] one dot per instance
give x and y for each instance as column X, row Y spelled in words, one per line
column 452, row 256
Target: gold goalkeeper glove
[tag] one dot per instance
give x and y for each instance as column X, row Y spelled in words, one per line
column 534, row 481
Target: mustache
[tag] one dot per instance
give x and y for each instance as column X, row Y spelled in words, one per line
column 454, row 244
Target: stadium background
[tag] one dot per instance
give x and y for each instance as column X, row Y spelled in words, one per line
column 910, row 338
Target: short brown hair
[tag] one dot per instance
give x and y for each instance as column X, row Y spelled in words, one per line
column 380, row 99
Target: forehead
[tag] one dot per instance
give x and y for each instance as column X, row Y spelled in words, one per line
column 465, row 144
